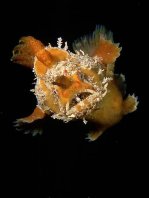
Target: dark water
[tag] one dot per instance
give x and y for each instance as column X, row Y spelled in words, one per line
column 61, row 163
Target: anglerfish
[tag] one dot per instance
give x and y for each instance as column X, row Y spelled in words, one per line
column 79, row 84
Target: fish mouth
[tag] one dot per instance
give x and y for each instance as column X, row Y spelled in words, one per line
column 81, row 104
column 80, row 97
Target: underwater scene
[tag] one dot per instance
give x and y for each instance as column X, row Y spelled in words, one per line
column 71, row 102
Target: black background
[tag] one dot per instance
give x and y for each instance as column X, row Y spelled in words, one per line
column 61, row 163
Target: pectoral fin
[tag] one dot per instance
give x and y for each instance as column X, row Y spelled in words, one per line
column 36, row 115
column 94, row 135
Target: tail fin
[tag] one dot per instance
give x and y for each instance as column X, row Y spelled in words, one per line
column 25, row 51
column 130, row 104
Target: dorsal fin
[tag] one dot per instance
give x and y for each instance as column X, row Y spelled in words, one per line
column 100, row 44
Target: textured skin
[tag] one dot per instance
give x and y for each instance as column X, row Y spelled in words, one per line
column 70, row 96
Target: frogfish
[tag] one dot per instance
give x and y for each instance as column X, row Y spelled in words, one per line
column 77, row 85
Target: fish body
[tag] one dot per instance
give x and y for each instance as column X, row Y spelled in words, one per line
column 76, row 85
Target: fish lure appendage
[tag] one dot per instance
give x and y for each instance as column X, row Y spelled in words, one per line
column 80, row 85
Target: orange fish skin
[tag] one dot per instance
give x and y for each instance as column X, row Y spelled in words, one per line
column 80, row 85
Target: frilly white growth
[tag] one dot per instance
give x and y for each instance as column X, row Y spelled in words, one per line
column 75, row 64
